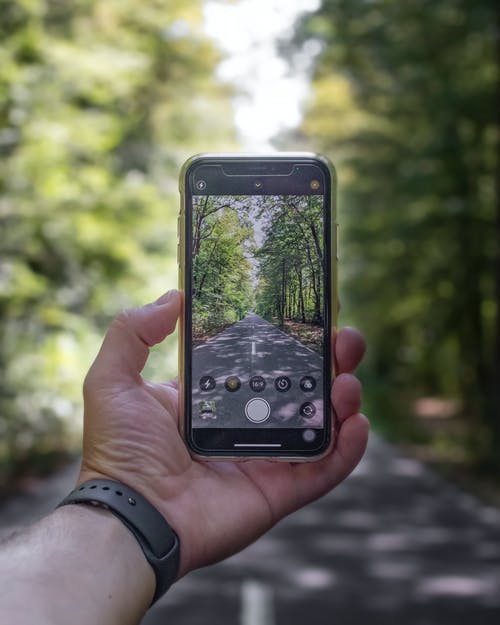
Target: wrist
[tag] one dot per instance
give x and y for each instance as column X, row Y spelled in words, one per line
column 157, row 540
column 112, row 557
column 78, row 565
column 160, row 493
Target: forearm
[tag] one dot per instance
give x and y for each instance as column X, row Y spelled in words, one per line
column 79, row 565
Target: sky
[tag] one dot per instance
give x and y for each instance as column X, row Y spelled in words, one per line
column 270, row 91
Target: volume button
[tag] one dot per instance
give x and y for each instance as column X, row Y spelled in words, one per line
column 337, row 239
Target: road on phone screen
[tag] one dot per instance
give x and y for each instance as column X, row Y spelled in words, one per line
column 254, row 347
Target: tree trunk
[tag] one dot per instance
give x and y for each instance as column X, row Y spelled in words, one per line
column 301, row 311
column 283, row 293
column 495, row 368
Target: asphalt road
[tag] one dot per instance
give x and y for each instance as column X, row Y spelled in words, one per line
column 254, row 347
column 394, row 544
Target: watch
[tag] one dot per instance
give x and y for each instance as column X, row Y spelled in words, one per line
column 156, row 538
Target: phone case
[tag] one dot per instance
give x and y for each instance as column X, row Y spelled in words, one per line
column 198, row 158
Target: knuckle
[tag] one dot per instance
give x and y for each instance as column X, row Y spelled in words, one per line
column 125, row 322
column 123, row 318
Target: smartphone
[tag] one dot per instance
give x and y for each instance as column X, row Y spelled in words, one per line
column 257, row 259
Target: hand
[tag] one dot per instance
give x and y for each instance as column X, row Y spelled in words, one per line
column 131, row 434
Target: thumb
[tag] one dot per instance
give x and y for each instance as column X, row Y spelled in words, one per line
column 125, row 348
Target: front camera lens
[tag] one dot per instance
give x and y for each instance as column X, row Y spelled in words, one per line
column 201, row 184
column 314, row 185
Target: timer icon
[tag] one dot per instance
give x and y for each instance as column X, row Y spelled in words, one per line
column 282, row 383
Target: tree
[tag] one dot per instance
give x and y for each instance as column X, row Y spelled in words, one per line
column 221, row 280
column 291, row 271
column 96, row 115
column 406, row 102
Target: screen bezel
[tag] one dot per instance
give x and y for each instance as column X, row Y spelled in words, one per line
column 278, row 176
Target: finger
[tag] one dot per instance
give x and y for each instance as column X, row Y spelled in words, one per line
column 317, row 478
column 125, row 348
column 173, row 383
column 346, row 396
column 350, row 446
column 349, row 348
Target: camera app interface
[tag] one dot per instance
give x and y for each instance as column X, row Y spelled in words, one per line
column 257, row 293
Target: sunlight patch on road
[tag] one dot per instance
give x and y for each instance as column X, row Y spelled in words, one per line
column 457, row 585
column 407, row 467
column 314, row 578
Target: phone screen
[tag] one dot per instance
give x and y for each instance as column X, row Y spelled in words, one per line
column 258, row 322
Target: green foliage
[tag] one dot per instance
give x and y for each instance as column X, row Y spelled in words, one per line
column 100, row 102
column 291, row 272
column 259, row 252
column 222, row 288
column 405, row 102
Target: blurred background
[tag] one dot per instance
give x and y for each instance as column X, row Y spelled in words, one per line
column 101, row 102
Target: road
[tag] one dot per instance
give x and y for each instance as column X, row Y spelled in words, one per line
column 254, row 347
column 395, row 544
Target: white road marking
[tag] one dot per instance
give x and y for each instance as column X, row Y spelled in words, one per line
column 256, row 604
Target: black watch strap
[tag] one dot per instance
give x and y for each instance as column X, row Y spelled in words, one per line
column 157, row 539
